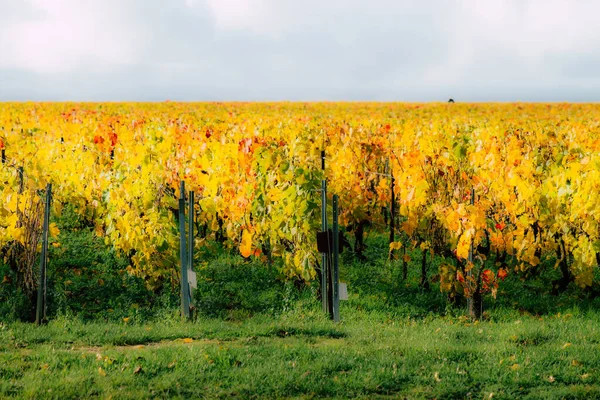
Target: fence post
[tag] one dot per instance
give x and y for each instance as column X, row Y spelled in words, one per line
column 392, row 217
column 185, row 306
column 324, row 256
column 190, row 258
column 40, row 315
column 336, row 256
column 21, row 172
column 471, row 299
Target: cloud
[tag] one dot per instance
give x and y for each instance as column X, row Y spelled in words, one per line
column 62, row 36
column 308, row 50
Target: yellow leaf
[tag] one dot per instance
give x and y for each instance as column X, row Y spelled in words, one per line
column 464, row 245
column 188, row 340
column 15, row 233
column 214, row 225
column 395, row 246
column 246, row 245
column 101, row 371
column 566, row 345
column 53, row 230
column 126, row 319
column 274, row 194
column 515, row 367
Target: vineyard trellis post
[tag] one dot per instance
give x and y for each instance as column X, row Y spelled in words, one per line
column 190, row 259
column 392, row 213
column 471, row 303
column 20, row 173
column 40, row 315
column 185, row 305
column 336, row 256
column 325, row 256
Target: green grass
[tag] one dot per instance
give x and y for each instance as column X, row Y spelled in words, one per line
column 301, row 354
column 260, row 337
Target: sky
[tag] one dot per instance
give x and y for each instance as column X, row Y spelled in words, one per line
column 305, row 50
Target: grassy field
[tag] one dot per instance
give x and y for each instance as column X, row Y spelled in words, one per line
column 260, row 338
column 300, row 354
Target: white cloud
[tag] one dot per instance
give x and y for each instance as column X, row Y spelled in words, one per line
column 291, row 49
column 67, row 35
column 252, row 15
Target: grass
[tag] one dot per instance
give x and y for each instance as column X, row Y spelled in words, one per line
column 395, row 341
column 301, row 354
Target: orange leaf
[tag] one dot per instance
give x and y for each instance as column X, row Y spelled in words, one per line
column 502, row 273
column 246, row 245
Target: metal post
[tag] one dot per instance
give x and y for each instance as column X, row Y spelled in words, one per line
column 40, row 315
column 392, row 217
column 336, row 255
column 190, row 259
column 470, row 302
column 324, row 256
column 185, row 305
column 21, row 173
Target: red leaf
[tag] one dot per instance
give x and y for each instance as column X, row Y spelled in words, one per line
column 502, row 273
column 113, row 139
column 488, row 276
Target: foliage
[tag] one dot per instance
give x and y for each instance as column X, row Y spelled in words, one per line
column 230, row 287
column 86, row 280
column 256, row 169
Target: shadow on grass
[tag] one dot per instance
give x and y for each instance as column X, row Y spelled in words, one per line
column 282, row 331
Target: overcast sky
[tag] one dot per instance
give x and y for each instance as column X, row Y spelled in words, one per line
column 487, row 50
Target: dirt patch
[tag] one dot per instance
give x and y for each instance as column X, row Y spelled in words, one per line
column 238, row 342
column 150, row 345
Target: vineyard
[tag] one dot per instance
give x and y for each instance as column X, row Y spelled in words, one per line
column 490, row 190
column 468, row 234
